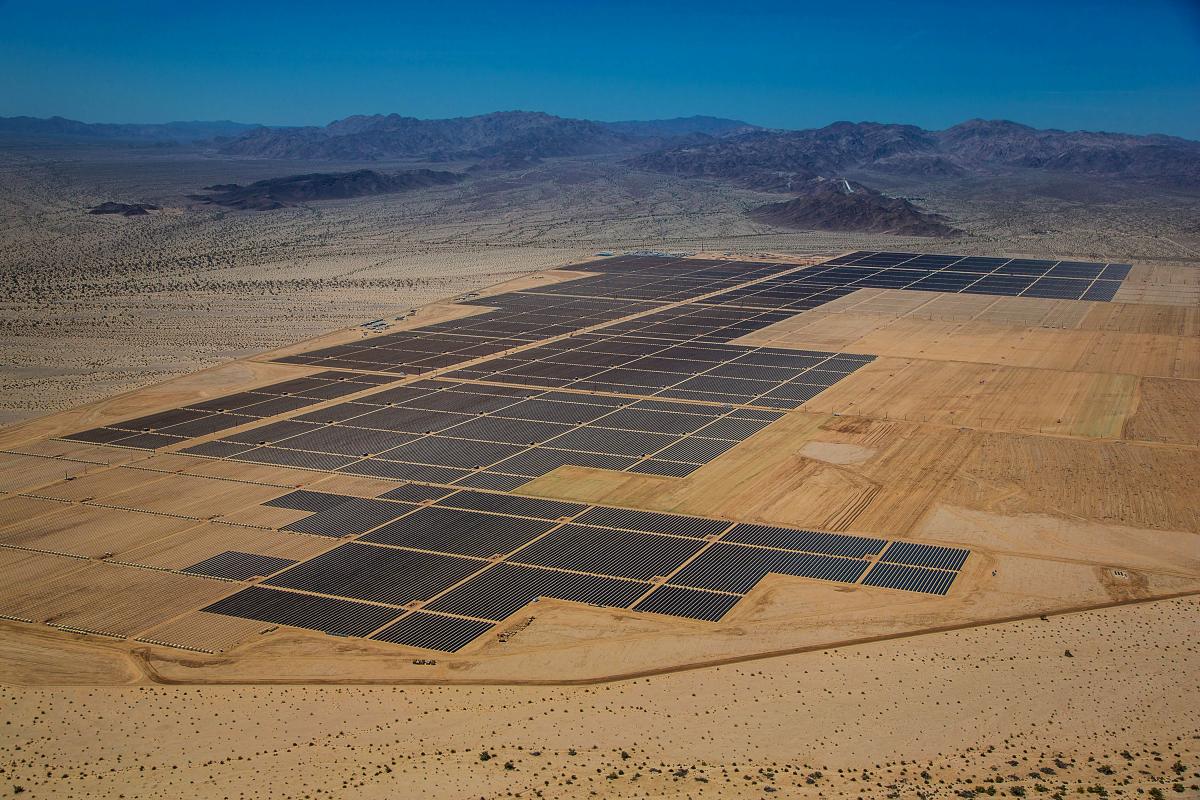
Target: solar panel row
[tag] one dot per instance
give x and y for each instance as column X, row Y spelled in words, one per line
column 418, row 437
column 685, row 370
column 814, row 286
column 433, row 631
column 444, row 555
column 221, row 413
column 237, row 566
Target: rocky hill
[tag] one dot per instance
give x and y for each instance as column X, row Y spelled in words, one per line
column 841, row 205
column 293, row 190
column 124, row 209
column 780, row 159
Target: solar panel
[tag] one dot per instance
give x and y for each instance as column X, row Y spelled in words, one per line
column 691, row 603
column 925, row 555
column 910, row 579
column 306, row 500
column 415, row 493
column 380, row 574
column 667, row 469
column 352, row 515
column 340, row 617
column 837, row 544
column 652, row 522
column 513, row 504
column 215, row 449
column 238, row 566
column 451, row 530
column 736, row 568
column 605, row 551
column 506, row 588
column 433, row 632
column 495, row 481
column 695, row 449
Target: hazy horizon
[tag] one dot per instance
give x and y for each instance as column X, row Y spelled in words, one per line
column 197, row 120
column 1074, row 65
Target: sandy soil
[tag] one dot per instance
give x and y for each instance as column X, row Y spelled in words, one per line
column 1092, row 703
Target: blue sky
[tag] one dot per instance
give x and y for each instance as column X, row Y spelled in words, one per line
column 1125, row 66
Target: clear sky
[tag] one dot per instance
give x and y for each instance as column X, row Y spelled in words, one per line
column 1132, row 65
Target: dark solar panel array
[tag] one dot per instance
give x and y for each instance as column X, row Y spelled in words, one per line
column 507, row 588
column 837, row 544
column 207, row 417
column 912, row 579
column 331, row 615
column 380, row 574
column 690, row 603
column 624, row 554
column 686, row 369
column 814, row 286
column 239, row 566
column 483, row 556
column 737, row 568
column 443, row 431
column 351, row 516
column 519, row 319
column 451, row 530
column 433, row 631
column 925, row 555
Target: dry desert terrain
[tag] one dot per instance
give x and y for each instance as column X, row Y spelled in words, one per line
column 1055, row 440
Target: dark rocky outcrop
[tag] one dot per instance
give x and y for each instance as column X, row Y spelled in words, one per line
column 124, row 209
column 293, row 190
column 841, row 205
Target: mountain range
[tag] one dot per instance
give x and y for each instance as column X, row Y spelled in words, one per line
column 699, row 147
column 37, row 129
column 777, row 160
column 506, row 135
column 708, row 147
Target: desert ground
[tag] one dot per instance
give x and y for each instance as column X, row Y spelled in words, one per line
column 1056, row 440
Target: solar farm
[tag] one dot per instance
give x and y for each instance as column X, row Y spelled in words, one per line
column 629, row 465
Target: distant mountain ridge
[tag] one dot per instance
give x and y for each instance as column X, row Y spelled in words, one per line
column 60, row 128
column 704, row 147
column 682, row 126
column 505, row 135
column 777, row 159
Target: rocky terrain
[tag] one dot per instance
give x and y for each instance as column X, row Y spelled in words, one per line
column 839, row 205
column 272, row 193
